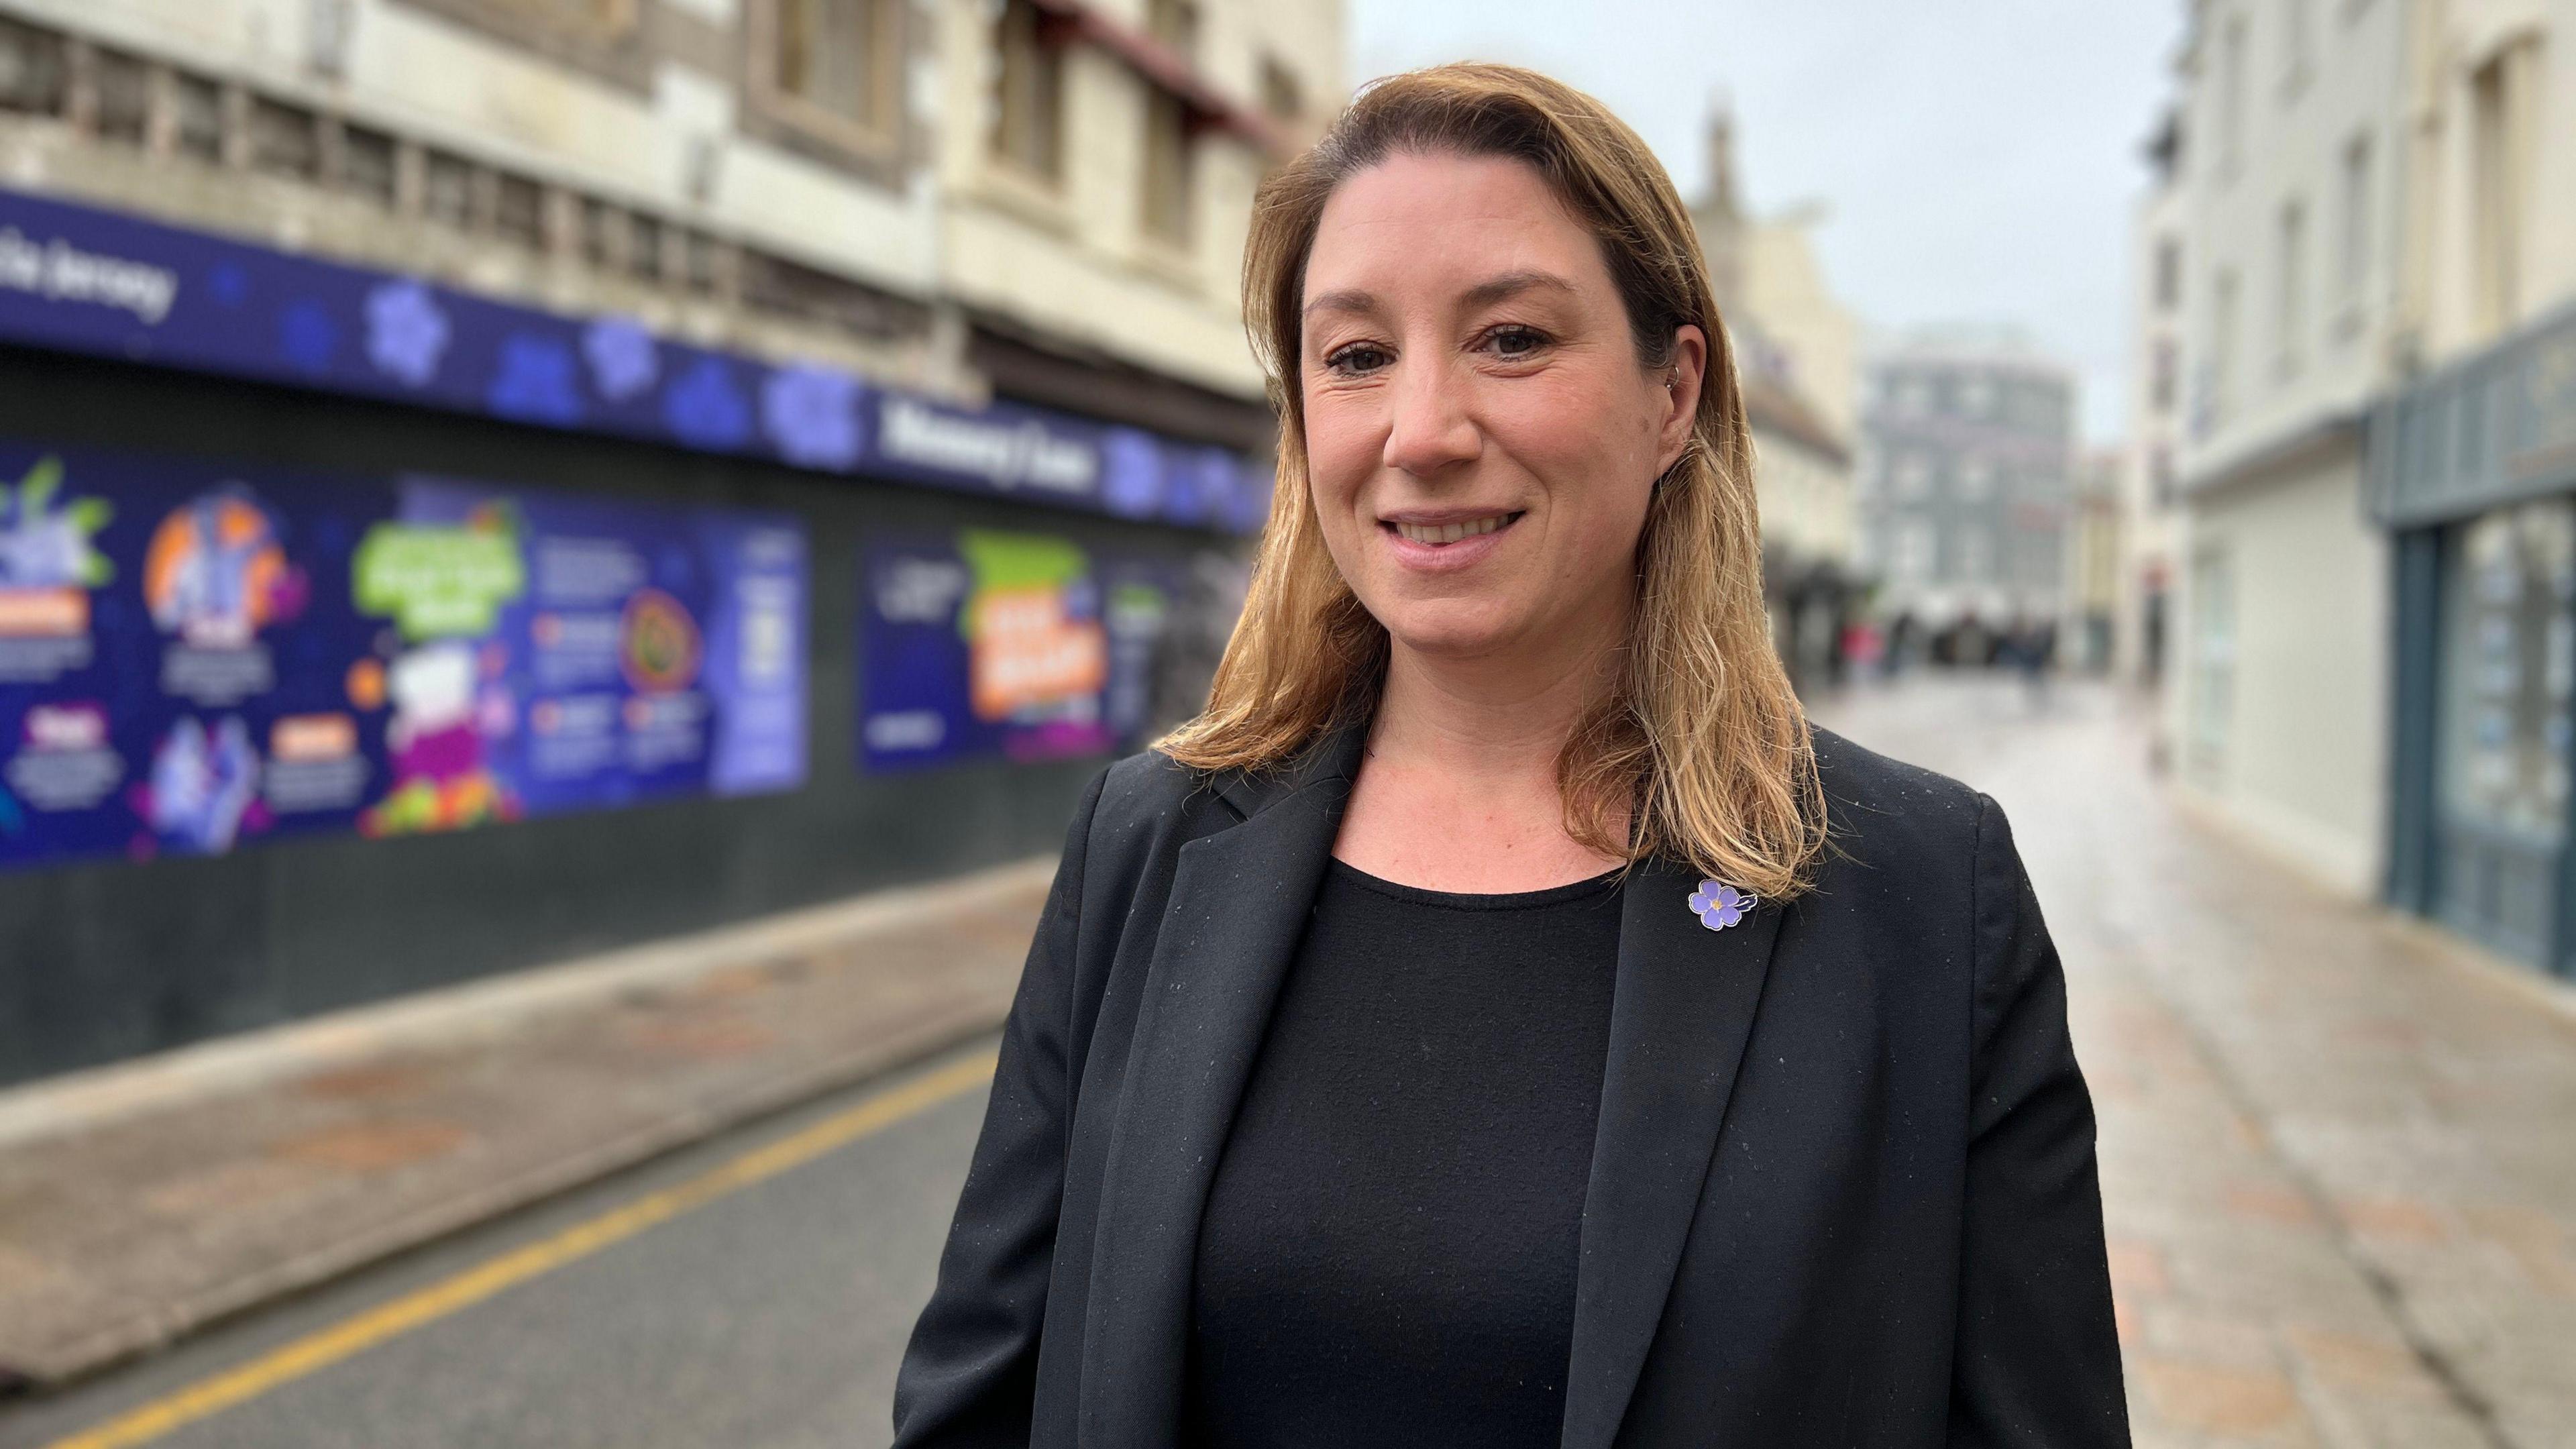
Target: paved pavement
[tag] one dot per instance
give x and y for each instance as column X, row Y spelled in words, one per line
column 144, row 1201
column 2338, row 1153
column 2339, row 1160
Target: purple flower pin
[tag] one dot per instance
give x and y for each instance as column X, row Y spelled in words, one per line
column 1720, row 906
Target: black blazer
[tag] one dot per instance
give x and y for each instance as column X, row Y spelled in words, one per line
column 1843, row 1191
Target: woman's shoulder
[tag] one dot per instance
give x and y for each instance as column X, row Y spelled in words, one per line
column 1149, row 797
column 1886, row 811
column 1149, row 782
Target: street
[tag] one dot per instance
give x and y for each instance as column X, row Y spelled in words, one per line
column 2337, row 1163
column 772, row 1315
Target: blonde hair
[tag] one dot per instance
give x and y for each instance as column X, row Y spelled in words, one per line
column 1701, row 743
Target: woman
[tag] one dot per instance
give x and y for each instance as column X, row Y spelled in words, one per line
column 1465, row 1031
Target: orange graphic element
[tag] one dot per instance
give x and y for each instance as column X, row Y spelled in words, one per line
column 1026, row 652
column 659, row 644
column 366, row 684
column 47, row 612
column 313, row 737
column 422, row 805
column 211, row 570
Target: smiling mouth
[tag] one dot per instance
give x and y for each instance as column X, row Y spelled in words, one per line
column 1440, row 533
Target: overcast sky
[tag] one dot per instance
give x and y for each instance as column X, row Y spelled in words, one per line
column 1979, row 158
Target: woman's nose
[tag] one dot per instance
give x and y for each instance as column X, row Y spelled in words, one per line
column 1431, row 428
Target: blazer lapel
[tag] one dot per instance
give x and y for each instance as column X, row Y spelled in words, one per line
column 1680, row 1011
column 1239, row 903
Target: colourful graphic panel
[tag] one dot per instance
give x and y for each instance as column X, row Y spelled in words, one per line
column 192, row 656
column 1021, row 645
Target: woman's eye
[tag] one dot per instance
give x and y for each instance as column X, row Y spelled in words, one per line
column 1514, row 342
column 1357, row 358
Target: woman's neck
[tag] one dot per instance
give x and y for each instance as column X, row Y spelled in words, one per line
column 1484, row 719
column 1459, row 788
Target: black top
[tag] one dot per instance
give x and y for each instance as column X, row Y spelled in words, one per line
column 1843, row 1190
column 1388, row 1251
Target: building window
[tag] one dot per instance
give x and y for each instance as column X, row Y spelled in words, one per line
column 2297, row 42
column 124, row 105
column 1972, row 480
column 1976, row 396
column 2162, row 380
column 518, row 210
column 2231, row 95
column 601, row 19
column 32, row 72
column 1910, row 476
column 1168, row 200
column 447, row 189
column 367, row 164
column 2168, row 273
column 603, row 37
column 196, row 118
column 2213, row 660
column 648, row 245
column 2509, row 656
column 829, row 55
column 2501, row 103
column 2222, row 345
column 830, row 69
column 1914, row 546
column 2291, row 317
column 2508, row 651
column 1281, row 95
column 1167, row 169
column 790, row 289
column 1028, row 124
column 1972, row 557
column 283, row 140
column 2352, row 251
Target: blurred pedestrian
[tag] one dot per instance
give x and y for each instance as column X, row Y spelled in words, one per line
column 2034, row 655
column 1461, row 1032
column 1904, row 641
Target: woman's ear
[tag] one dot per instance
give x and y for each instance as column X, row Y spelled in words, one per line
column 1683, row 377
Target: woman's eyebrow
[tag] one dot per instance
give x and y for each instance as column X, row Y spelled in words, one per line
column 1355, row 302
column 1483, row 294
column 1512, row 284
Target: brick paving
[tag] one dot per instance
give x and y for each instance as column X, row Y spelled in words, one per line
column 2338, row 1151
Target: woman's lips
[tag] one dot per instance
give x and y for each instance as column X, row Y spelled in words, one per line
column 1444, row 557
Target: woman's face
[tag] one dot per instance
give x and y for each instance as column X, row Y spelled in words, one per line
column 1481, row 435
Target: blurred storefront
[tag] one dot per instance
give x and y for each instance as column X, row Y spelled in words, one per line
column 349, row 626
column 2288, row 229
column 2378, row 556
column 481, row 483
column 2475, row 469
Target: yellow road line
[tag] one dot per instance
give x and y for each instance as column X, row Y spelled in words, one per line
column 324, row 1347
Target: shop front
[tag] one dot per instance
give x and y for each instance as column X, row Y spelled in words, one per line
column 2474, row 469
column 359, row 635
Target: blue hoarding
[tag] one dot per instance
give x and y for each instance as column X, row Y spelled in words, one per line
column 82, row 279
column 194, row 656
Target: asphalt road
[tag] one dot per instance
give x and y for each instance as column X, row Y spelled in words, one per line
column 769, row 1315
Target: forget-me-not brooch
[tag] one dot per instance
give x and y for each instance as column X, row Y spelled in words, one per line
column 1720, row 906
